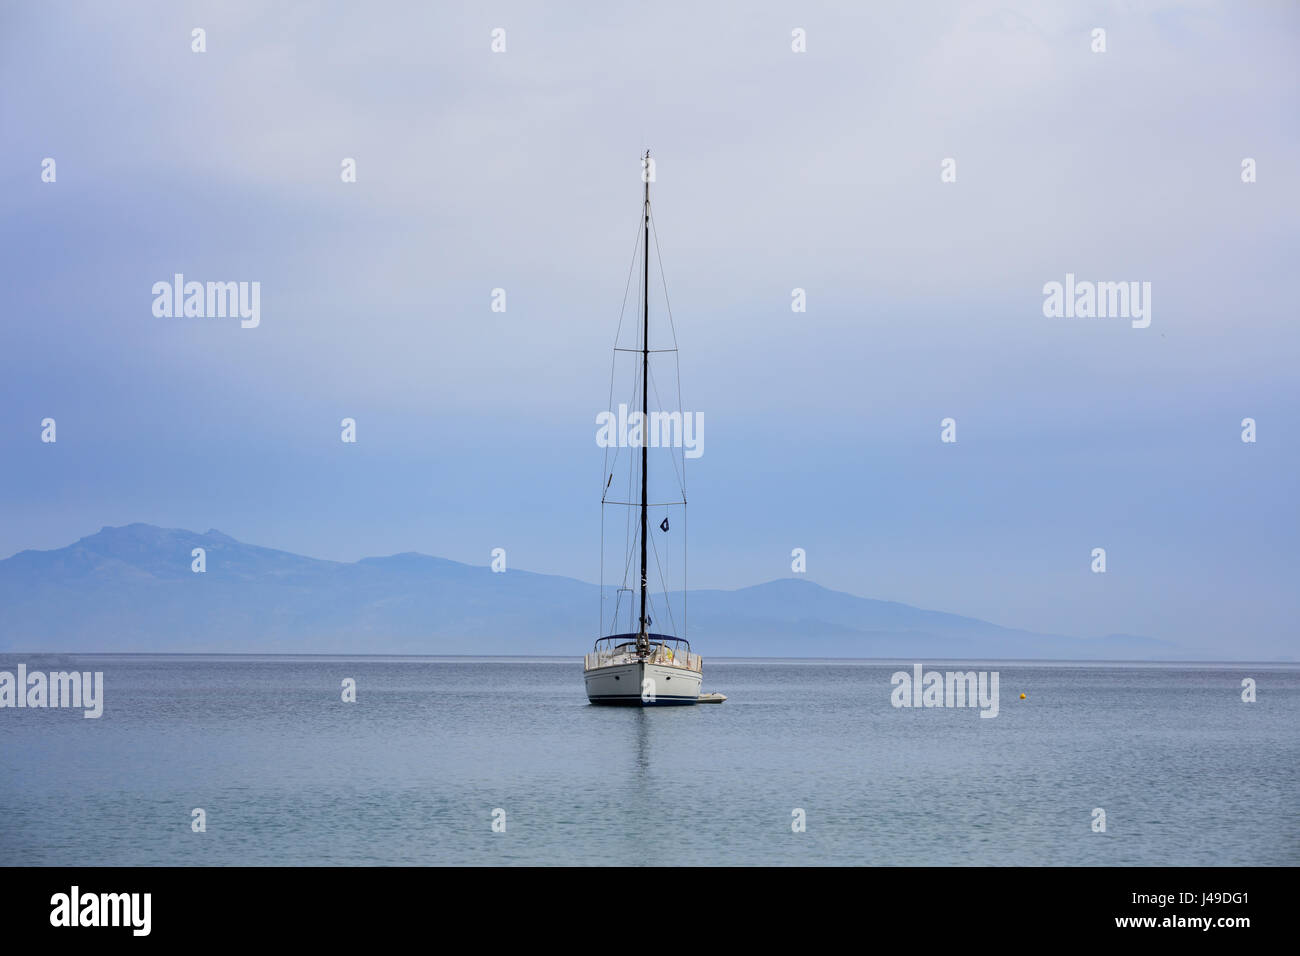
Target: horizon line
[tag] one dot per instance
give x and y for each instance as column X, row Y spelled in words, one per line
column 569, row 658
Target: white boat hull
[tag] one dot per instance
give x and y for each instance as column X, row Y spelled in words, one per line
column 626, row 684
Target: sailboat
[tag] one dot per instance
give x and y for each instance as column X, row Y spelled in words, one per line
column 641, row 667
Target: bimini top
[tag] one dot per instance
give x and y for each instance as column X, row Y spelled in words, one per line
column 614, row 640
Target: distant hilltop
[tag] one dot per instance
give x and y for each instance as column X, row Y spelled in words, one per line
column 132, row 589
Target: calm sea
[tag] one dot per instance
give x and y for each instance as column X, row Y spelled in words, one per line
column 411, row 773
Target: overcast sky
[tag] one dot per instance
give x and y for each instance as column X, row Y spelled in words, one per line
column 775, row 170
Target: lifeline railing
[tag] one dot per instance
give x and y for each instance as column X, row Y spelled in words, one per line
column 691, row 662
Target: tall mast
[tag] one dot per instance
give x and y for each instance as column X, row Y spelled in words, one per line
column 643, row 640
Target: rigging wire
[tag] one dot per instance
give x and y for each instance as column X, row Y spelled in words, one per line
column 605, row 467
column 659, row 567
column 677, row 360
column 632, row 533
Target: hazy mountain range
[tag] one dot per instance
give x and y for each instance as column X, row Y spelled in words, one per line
column 132, row 589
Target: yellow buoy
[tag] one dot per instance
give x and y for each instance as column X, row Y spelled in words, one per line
column 1022, row 696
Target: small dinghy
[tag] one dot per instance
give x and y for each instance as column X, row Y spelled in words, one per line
column 712, row 698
